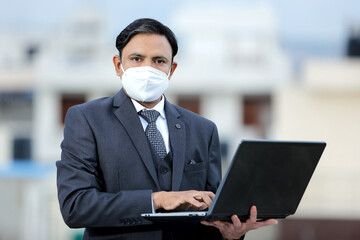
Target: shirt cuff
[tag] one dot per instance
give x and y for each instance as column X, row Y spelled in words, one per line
column 152, row 205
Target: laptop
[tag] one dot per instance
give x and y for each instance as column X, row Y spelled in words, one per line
column 272, row 175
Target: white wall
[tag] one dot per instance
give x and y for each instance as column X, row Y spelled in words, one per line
column 5, row 146
column 308, row 113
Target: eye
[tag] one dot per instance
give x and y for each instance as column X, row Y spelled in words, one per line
column 160, row 61
column 136, row 59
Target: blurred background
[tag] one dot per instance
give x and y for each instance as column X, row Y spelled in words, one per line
column 272, row 69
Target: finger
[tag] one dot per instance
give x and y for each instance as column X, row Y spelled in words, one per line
column 220, row 224
column 206, row 223
column 206, row 198
column 203, row 206
column 203, row 197
column 236, row 221
column 271, row 221
column 210, row 223
column 266, row 222
column 211, row 195
column 253, row 214
column 195, row 203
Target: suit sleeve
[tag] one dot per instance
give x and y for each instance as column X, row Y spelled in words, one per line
column 83, row 201
column 214, row 170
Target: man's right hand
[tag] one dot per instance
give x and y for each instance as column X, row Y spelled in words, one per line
column 198, row 200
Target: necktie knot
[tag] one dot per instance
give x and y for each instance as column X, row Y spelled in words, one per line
column 149, row 115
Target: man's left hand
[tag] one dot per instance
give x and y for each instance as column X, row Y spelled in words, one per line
column 236, row 228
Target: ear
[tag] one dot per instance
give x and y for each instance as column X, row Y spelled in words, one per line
column 117, row 63
column 173, row 67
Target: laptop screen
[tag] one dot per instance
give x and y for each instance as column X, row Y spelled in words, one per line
column 273, row 175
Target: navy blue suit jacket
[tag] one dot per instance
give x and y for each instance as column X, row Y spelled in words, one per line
column 106, row 174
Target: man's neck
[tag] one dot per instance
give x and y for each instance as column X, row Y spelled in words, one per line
column 149, row 105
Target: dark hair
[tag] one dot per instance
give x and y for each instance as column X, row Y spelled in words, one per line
column 145, row 25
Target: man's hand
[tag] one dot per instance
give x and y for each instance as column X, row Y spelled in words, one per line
column 236, row 229
column 183, row 200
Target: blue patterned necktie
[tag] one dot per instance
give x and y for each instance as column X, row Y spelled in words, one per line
column 153, row 134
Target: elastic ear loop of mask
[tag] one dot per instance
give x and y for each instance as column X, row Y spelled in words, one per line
column 122, row 69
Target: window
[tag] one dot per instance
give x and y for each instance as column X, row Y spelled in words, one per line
column 22, row 149
column 16, row 106
column 256, row 110
column 257, row 115
column 191, row 103
column 69, row 100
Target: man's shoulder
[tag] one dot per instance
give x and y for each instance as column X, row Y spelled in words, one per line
column 193, row 117
column 95, row 105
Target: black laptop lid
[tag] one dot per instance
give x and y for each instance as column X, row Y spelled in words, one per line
column 273, row 175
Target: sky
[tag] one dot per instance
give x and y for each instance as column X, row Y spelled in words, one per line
column 317, row 26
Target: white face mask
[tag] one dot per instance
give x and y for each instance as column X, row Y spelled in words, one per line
column 145, row 84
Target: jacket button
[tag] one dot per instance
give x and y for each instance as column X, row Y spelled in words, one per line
column 163, row 170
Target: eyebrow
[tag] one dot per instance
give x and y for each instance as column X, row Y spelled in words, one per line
column 160, row 57
column 136, row 55
column 140, row 55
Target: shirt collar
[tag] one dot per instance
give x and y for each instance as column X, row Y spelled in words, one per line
column 158, row 107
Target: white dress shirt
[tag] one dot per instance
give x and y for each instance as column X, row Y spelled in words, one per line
column 161, row 122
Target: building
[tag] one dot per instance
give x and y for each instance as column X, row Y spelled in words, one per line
column 325, row 107
column 230, row 66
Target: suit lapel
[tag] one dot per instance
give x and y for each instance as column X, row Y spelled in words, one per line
column 177, row 139
column 126, row 113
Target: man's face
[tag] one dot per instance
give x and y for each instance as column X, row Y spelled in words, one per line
column 152, row 50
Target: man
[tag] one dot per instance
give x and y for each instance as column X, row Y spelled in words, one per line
column 135, row 152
